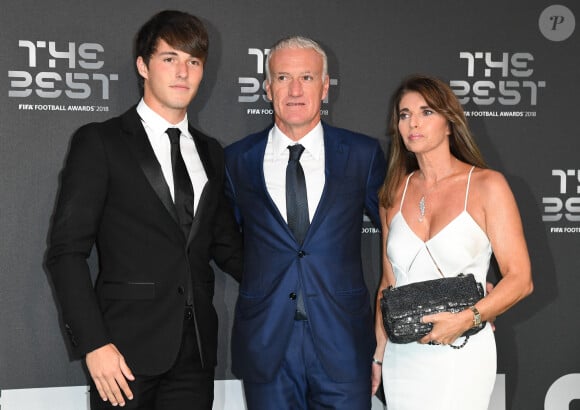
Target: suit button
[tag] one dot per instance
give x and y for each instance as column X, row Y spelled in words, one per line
column 180, row 290
column 301, row 254
column 292, row 296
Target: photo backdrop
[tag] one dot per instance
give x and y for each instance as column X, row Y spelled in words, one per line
column 514, row 64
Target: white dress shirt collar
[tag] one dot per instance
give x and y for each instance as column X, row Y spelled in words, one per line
column 157, row 124
column 313, row 142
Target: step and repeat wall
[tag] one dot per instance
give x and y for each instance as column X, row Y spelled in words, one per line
column 514, row 64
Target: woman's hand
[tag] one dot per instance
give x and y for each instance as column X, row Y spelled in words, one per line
column 447, row 327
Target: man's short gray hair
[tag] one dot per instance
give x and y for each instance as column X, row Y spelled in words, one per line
column 297, row 42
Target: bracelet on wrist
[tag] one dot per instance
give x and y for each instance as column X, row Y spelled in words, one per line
column 476, row 316
column 375, row 361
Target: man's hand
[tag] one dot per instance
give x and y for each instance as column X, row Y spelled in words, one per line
column 110, row 373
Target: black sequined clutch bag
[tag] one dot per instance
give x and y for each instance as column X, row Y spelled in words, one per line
column 402, row 307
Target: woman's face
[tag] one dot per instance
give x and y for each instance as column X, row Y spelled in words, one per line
column 421, row 128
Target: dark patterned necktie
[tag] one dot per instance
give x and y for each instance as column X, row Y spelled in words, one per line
column 296, row 199
column 183, row 190
column 297, row 210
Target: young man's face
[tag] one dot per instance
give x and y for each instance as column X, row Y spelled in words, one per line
column 171, row 80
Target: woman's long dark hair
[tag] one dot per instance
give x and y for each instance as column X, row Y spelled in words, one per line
column 440, row 97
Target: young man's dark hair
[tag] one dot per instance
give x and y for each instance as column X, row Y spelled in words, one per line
column 180, row 30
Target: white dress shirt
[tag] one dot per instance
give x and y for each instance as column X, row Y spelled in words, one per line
column 155, row 127
column 312, row 161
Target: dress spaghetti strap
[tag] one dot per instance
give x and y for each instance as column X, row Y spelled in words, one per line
column 467, row 190
column 405, row 190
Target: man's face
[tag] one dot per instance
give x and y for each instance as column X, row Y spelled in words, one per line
column 296, row 89
column 171, row 80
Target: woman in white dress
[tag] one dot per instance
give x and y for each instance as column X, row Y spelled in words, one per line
column 444, row 213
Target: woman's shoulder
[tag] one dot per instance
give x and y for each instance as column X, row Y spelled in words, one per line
column 490, row 184
column 488, row 178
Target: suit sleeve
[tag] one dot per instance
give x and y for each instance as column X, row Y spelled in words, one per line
column 74, row 228
column 376, row 177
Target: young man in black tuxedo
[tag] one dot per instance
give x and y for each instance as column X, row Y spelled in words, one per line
column 155, row 209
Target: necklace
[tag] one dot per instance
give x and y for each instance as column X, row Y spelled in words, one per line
column 422, row 202
column 422, row 208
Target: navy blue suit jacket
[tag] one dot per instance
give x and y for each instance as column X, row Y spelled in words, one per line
column 328, row 265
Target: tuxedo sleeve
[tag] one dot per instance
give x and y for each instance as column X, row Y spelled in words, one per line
column 75, row 224
column 227, row 249
column 231, row 196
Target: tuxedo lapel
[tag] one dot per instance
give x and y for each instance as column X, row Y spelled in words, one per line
column 209, row 167
column 139, row 142
column 201, row 207
column 202, row 148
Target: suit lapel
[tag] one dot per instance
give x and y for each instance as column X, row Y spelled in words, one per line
column 139, row 142
column 254, row 159
column 336, row 152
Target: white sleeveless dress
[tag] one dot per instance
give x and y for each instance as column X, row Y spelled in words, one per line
column 421, row 377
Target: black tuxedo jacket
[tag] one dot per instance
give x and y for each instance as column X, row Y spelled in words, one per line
column 113, row 194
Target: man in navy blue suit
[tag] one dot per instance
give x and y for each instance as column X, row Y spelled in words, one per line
column 303, row 330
